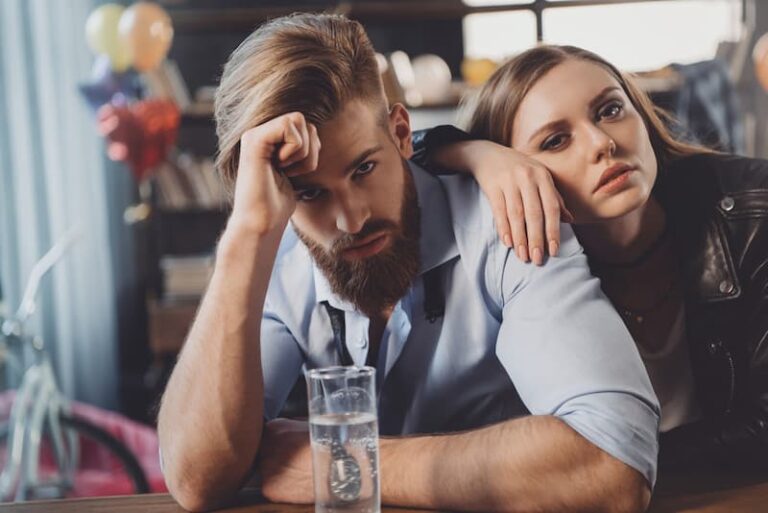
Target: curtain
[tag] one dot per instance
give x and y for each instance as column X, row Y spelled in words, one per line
column 52, row 177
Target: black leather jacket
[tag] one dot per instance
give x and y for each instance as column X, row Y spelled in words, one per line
column 718, row 209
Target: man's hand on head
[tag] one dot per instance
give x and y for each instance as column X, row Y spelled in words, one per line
column 285, row 462
column 270, row 153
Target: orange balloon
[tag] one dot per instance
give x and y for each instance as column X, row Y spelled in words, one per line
column 146, row 31
column 760, row 58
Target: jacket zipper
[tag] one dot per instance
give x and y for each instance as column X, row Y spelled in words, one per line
column 732, row 369
column 716, row 347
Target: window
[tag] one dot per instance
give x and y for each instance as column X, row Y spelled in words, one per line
column 498, row 35
column 634, row 36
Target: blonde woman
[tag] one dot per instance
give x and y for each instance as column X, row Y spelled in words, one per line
column 677, row 234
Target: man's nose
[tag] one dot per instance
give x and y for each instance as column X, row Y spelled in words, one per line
column 352, row 213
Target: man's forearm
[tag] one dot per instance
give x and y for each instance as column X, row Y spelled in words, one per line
column 534, row 463
column 211, row 416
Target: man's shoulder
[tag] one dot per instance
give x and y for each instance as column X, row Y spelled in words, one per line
column 470, row 210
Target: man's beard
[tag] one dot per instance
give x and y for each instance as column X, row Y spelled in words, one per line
column 375, row 283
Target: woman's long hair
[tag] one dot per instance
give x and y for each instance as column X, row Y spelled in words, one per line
column 491, row 111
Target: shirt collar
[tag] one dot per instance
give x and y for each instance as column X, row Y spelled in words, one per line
column 437, row 242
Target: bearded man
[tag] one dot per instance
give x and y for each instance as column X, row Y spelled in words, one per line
column 340, row 251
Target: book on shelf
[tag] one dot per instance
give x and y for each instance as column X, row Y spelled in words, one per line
column 202, row 104
column 188, row 182
column 185, row 276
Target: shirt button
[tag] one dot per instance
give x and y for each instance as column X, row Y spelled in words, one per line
column 726, row 287
column 362, row 343
column 727, row 203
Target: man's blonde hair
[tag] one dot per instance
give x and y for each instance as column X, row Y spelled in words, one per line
column 308, row 63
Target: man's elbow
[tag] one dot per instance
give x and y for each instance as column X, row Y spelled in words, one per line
column 192, row 500
column 198, row 486
column 193, row 495
column 633, row 501
column 628, row 491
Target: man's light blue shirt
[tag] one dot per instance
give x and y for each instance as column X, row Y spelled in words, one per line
column 515, row 338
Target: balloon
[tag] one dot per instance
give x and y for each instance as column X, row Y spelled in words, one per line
column 140, row 135
column 145, row 30
column 102, row 36
column 760, row 58
column 106, row 86
column 120, row 58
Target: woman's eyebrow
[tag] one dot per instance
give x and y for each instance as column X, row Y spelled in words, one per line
column 597, row 99
column 592, row 103
column 546, row 128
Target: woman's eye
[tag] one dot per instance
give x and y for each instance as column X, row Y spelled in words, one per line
column 611, row 110
column 309, row 194
column 365, row 168
column 554, row 142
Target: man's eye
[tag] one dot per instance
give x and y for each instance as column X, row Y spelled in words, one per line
column 611, row 110
column 309, row 194
column 365, row 168
column 554, row 142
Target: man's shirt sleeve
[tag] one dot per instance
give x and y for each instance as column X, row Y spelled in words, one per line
column 569, row 354
column 281, row 362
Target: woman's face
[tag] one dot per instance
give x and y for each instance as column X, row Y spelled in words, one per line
column 577, row 121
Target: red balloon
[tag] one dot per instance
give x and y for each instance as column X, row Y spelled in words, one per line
column 140, row 134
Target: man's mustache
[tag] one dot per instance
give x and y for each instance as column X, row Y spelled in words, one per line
column 351, row 239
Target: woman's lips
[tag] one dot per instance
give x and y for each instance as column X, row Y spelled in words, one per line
column 369, row 247
column 616, row 182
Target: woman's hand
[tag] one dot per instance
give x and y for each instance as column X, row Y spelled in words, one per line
column 527, row 208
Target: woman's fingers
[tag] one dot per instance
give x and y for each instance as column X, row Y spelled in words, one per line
column 516, row 216
column 565, row 215
column 499, row 210
column 550, row 202
column 534, row 221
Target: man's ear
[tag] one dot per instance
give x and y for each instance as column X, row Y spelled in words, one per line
column 400, row 129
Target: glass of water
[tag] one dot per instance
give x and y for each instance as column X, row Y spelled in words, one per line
column 345, row 439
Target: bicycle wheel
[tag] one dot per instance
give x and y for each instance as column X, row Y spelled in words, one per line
column 106, row 465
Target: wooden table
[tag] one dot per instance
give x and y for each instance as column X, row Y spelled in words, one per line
column 702, row 496
column 711, row 493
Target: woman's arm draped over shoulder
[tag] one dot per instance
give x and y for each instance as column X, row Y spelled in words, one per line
column 526, row 206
